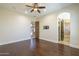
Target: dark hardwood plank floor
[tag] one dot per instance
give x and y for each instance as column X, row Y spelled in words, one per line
column 37, row 48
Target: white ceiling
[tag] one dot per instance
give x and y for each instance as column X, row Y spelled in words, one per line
column 21, row 8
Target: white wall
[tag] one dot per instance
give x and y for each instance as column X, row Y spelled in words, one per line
column 13, row 26
column 51, row 19
column 51, row 33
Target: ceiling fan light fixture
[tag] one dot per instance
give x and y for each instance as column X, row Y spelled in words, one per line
column 35, row 9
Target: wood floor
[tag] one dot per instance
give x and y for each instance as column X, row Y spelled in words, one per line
column 38, row 48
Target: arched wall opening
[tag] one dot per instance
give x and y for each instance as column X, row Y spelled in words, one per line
column 64, row 28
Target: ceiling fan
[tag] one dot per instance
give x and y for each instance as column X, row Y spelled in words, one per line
column 36, row 7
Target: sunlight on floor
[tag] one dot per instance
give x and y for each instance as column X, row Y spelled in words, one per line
column 66, row 40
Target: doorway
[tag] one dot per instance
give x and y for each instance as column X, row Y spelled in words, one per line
column 37, row 29
column 64, row 28
column 35, row 34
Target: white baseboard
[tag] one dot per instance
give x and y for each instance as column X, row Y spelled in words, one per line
column 73, row 46
column 48, row 40
column 4, row 43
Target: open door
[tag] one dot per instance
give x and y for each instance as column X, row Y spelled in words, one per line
column 37, row 29
column 35, row 34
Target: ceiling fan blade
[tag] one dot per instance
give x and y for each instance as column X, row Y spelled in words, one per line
column 29, row 6
column 42, row 7
column 38, row 11
column 32, row 10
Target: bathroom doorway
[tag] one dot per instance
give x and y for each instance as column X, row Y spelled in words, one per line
column 64, row 28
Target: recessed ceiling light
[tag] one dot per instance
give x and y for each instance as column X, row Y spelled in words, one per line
column 35, row 9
